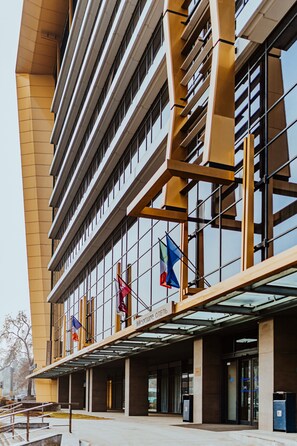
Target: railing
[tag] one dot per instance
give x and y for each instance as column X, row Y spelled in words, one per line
column 15, row 409
column 10, row 407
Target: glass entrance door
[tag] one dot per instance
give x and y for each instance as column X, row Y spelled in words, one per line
column 242, row 391
column 249, row 391
column 245, row 391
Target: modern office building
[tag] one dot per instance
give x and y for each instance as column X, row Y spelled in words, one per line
column 141, row 118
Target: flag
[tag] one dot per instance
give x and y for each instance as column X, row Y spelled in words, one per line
column 163, row 264
column 122, row 291
column 76, row 325
column 174, row 254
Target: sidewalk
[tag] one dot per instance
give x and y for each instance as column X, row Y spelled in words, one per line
column 160, row 430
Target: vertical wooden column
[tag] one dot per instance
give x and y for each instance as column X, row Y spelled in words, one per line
column 82, row 320
column 117, row 316
column 64, row 335
column 184, row 265
column 220, row 120
column 174, row 16
column 247, row 244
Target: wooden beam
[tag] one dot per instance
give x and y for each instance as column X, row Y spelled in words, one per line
column 163, row 214
column 174, row 168
column 191, row 291
column 284, row 188
column 200, row 173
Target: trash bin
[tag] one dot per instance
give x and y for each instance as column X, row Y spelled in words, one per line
column 284, row 411
column 188, row 408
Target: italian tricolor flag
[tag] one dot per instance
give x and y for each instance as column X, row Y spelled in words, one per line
column 163, row 264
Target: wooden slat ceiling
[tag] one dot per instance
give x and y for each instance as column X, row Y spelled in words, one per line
column 43, row 22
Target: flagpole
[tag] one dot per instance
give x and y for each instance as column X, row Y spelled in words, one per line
column 196, row 272
column 81, row 326
column 135, row 295
column 193, row 271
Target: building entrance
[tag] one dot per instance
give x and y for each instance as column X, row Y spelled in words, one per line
column 167, row 384
column 242, row 390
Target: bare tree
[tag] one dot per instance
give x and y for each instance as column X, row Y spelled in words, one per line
column 17, row 335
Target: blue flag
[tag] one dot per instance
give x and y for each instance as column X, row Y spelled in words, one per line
column 174, row 254
column 75, row 323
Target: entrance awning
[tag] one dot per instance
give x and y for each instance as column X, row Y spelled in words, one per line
column 261, row 290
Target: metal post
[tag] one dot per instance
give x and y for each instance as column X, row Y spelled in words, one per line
column 12, row 428
column 28, row 425
column 70, row 418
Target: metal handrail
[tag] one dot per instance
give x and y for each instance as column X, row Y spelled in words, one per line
column 27, row 411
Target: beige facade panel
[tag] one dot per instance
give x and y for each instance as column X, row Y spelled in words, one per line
column 29, row 171
column 31, row 103
column 39, row 159
column 34, row 194
column 42, row 26
column 46, row 389
column 32, row 205
column 36, row 239
column 40, row 125
column 38, row 260
column 32, row 228
column 36, row 297
column 39, row 284
column 34, row 95
column 35, row 263
column 37, row 148
column 43, row 215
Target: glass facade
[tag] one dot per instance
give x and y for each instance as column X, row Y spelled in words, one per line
column 265, row 98
column 143, row 142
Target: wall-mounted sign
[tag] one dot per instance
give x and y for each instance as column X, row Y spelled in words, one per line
column 153, row 316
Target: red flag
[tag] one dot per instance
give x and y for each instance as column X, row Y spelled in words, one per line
column 75, row 326
column 122, row 292
column 74, row 336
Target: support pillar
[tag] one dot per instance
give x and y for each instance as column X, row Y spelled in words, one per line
column 78, row 389
column 136, row 387
column 63, row 389
column 277, row 363
column 207, row 380
column 99, row 390
column 197, row 367
column 266, row 381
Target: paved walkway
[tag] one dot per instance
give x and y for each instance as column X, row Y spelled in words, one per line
column 157, row 430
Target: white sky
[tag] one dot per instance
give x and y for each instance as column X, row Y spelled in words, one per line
column 14, row 294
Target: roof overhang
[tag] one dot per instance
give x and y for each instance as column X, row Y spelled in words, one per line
column 42, row 26
column 257, row 292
